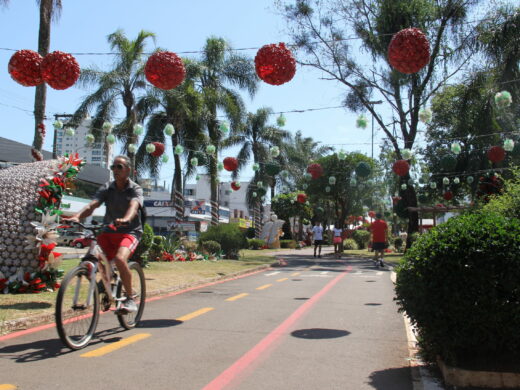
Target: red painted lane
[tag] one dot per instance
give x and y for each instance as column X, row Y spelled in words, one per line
column 48, row 326
column 237, row 368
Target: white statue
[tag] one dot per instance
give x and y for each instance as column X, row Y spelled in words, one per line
column 272, row 231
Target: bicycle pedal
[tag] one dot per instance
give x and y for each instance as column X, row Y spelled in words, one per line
column 121, row 312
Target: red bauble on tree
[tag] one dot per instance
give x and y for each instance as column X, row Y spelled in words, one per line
column 159, row 149
column 372, row 214
column 401, row 167
column 409, row 51
column 301, row 198
column 165, row 70
column 275, row 64
column 315, row 170
column 448, row 195
column 230, row 164
column 496, row 154
column 25, row 68
column 60, row 70
column 235, row 185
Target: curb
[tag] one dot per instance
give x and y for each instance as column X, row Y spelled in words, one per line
column 22, row 324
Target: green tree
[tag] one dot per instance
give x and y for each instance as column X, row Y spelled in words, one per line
column 321, row 29
column 121, row 83
column 286, row 206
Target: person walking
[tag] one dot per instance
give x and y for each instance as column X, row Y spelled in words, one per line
column 379, row 229
column 337, row 240
column 317, row 235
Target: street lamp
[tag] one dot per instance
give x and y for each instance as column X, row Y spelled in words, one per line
column 373, row 103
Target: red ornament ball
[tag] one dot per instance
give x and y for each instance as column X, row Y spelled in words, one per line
column 235, row 185
column 230, row 164
column 315, row 170
column 60, row 70
column 165, row 70
column 496, row 154
column 24, row 68
column 301, row 198
column 448, row 195
column 275, row 64
column 409, row 51
column 372, row 214
column 401, row 167
column 159, row 149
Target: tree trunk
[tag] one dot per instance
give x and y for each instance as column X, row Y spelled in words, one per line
column 410, row 198
column 131, row 121
column 40, row 96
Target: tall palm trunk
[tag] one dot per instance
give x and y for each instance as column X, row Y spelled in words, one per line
column 177, row 195
column 213, row 171
column 40, row 96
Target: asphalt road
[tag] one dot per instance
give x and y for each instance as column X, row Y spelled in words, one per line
column 314, row 324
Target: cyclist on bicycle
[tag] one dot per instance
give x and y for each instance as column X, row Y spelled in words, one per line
column 123, row 198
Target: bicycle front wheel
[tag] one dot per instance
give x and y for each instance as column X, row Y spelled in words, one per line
column 130, row 320
column 76, row 313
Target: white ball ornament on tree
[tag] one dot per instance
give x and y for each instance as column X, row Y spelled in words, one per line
column 469, row 179
column 275, row 151
column 406, row 153
column 58, row 124
column 89, row 139
column 169, row 130
column 194, row 161
column 111, row 139
column 445, row 181
column 224, row 128
column 433, row 185
column 332, row 180
column 509, row 145
column 327, row 189
column 256, row 167
column 503, row 99
column 210, row 149
column 69, row 131
column 425, row 115
column 132, row 148
column 342, row 155
column 456, row 148
column 150, row 148
column 456, row 180
column 404, row 186
column 138, row 129
column 107, row 127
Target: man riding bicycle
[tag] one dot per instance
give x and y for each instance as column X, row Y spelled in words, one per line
column 123, row 198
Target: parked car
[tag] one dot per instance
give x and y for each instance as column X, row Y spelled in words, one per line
column 81, row 242
column 66, row 237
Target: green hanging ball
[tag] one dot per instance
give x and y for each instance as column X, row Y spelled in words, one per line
column 111, row 139
column 256, row 167
column 327, row 189
column 58, row 124
column 165, row 158
column 224, row 128
column 362, row 122
column 363, row 169
column 169, row 130
column 305, row 186
column 332, row 180
column 342, row 155
column 455, row 148
column 404, row 186
column 220, row 166
column 138, row 129
column 307, row 175
column 280, row 121
column 425, row 115
column 69, row 131
column 150, row 148
column 275, row 151
column 509, row 145
column 194, row 161
column 445, row 181
column 210, row 149
column 353, row 181
column 469, row 179
column 89, row 138
column 107, row 127
column 456, row 180
column 179, row 149
column 284, row 174
column 254, row 194
column 259, row 184
column 433, row 185
column 406, row 153
column 132, row 148
column 197, row 177
column 503, row 99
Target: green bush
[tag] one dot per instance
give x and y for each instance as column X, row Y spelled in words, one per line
column 255, row 243
column 414, row 237
column 190, row 246
column 398, row 244
column 460, row 285
column 157, row 248
column 362, row 237
column 141, row 252
column 230, row 237
column 210, row 247
column 250, row 232
column 508, row 203
column 349, row 244
column 288, row 244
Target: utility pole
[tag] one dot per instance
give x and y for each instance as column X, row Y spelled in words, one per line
column 56, row 117
column 373, row 103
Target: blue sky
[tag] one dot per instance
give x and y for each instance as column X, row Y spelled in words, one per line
column 180, row 26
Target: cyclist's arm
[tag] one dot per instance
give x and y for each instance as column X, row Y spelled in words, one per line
column 130, row 213
column 84, row 212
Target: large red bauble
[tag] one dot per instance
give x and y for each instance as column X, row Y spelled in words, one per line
column 315, row 170
column 24, row 68
column 60, row 70
column 496, row 154
column 401, row 167
column 165, row 70
column 159, row 149
column 409, row 51
column 230, row 164
column 275, row 64
column 235, row 185
column 448, row 195
column 301, row 198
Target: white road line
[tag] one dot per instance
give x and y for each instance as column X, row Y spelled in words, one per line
column 324, row 272
column 272, row 273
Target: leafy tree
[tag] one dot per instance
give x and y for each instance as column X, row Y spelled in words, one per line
column 286, row 206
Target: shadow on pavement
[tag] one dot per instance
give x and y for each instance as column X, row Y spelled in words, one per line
column 391, row 379
column 26, row 306
column 319, row 333
column 158, row 323
column 373, row 304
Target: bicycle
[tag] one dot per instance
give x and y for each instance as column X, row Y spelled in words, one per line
column 78, row 301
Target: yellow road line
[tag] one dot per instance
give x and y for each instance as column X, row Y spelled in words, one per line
column 264, row 287
column 117, row 345
column 195, row 314
column 237, row 297
column 282, row 279
column 8, row 387
column 295, row 274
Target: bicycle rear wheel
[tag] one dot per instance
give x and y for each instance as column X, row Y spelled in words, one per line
column 130, row 320
column 75, row 320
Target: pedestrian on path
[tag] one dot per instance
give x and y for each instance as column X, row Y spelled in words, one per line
column 317, row 235
column 337, row 239
column 379, row 229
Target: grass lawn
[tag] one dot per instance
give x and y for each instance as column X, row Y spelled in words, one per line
column 391, row 258
column 159, row 276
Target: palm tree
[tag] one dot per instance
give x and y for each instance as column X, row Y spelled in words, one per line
column 120, row 83
column 220, row 67
column 49, row 9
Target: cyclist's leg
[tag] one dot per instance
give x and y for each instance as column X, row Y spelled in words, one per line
column 127, row 245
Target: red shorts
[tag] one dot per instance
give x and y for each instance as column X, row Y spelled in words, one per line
column 337, row 240
column 111, row 242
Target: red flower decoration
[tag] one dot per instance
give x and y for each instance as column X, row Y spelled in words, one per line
column 159, row 149
column 496, row 154
column 24, row 68
column 60, row 70
column 230, row 164
column 275, row 64
column 448, row 195
column 235, row 185
column 372, row 214
column 395, row 199
column 301, row 198
column 165, row 70
column 409, row 51
column 315, row 170
column 401, row 167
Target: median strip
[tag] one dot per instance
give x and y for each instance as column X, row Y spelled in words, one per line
column 195, row 314
column 231, row 299
column 117, row 345
column 264, row 287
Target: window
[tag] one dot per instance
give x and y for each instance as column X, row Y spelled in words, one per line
column 189, row 192
column 96, row 158
column 96, row 152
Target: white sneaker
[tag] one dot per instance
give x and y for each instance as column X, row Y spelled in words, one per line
column 128, row 305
